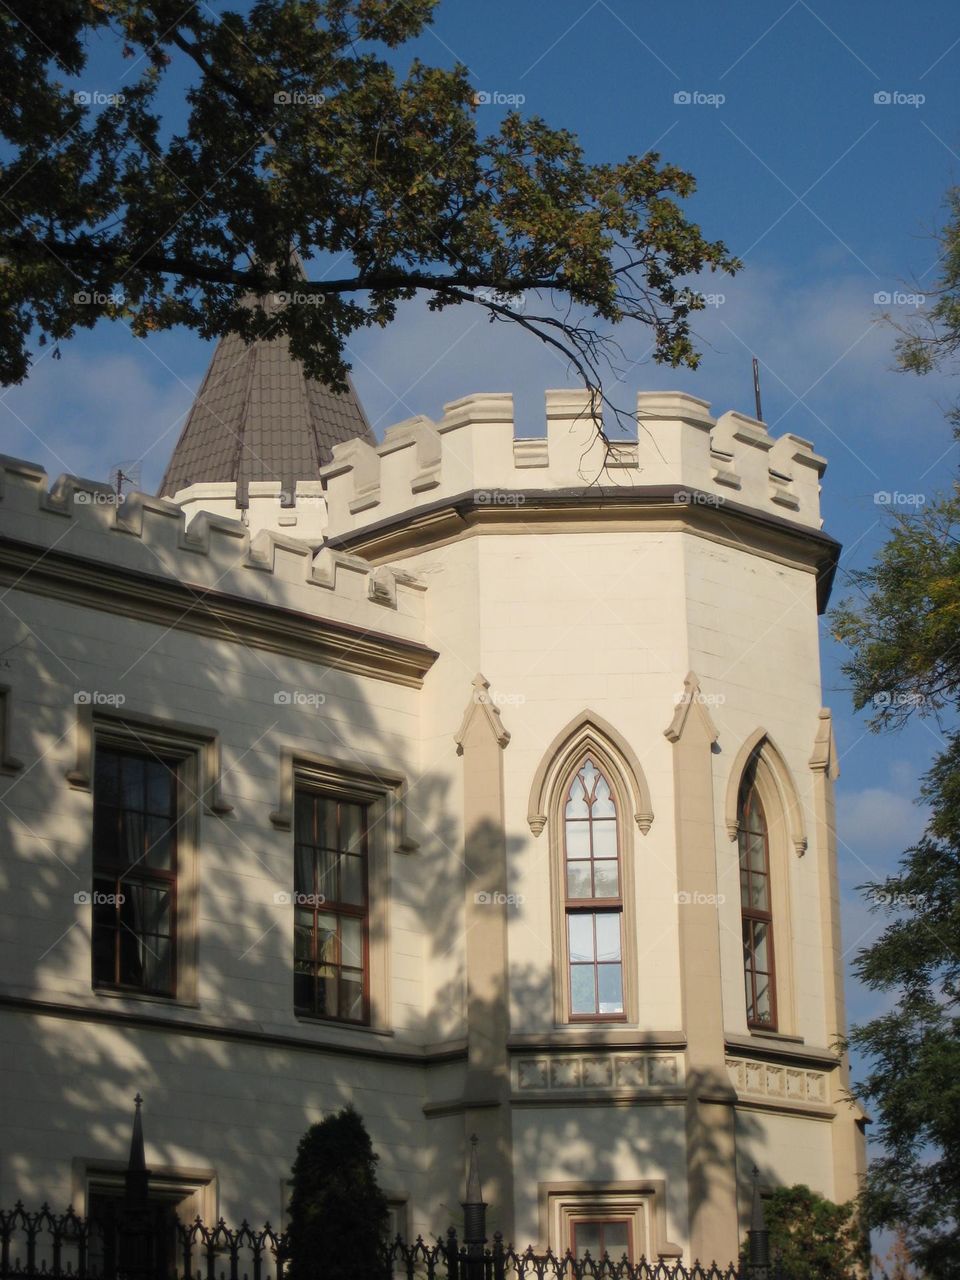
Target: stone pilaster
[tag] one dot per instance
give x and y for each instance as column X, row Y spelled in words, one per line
column 480, row 741
column 849, row 1144
column 710, row 1114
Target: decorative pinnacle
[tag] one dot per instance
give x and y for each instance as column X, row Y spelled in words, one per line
column 474, row 1190
column 757, row 1221
column 137, row 1162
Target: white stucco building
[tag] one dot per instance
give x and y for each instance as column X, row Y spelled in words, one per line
column 480, row 780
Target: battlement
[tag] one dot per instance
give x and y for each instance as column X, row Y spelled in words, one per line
column 143, row 534
column 301, row 514
column 473, row 448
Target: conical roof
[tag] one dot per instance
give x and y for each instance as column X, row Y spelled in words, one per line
column 258, row 417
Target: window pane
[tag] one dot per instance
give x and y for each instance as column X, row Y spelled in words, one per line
column 328, row 879
column 351, row 879
column 616, row 1238
column 327, row 822
column 351, row 943
column 303, row 934
column 155, row 904
column 586, row 1239
column 581, row 937
column 160, row 844
column 578, row 840
column 582, row 995
column 303, row 869
column 131, row 959
column 304, row 813
column 760, row 949
column 606, row 879
column 327, row 939
column 589, row 775
column 610, row 982
column 576, row 801
column 131, row 782
column 106, row 776
column 351, row 828
column 578, row 880
column 351, row 995
column 603, row 806
column 302, row 989
column 104, row 944
column 159, row 781
column 158, row 963
column 605, row 839
column 131, row 838
column 327, row 1002
column 764, row 1011
column 759, row 897
column 106, row 836
column 756, row 852
column 608, row 936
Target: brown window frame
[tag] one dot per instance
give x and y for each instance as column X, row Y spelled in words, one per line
column 321, row 904
column 601, row 1221
column 751, row 916
column 592, row 906
column 111, row 878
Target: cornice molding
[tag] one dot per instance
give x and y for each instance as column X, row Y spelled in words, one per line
column 657, row 508
column 374, row 1045
column 202, row 611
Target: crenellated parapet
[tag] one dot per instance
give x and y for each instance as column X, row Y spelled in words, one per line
column 474, row 450
column 83, row 522
column 301, row 513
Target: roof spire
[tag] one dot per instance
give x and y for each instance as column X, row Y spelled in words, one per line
column 257, row 416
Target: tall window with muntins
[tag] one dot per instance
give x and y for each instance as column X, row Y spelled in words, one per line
column 134, row 871
column 330, row 908
column 756, row 912
column 594, row 901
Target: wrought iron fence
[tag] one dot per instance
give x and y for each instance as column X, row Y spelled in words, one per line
column 135, row 1245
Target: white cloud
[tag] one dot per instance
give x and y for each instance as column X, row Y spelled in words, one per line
column 93, row 408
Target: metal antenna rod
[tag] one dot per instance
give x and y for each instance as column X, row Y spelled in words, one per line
column 756, row 389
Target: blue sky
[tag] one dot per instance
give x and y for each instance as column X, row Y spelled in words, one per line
column 829, row 195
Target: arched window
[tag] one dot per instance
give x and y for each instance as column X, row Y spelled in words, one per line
column 593, row 897
column 756, row 909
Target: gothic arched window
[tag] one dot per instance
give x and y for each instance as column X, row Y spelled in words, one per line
column 756, row 909
column 593, row 896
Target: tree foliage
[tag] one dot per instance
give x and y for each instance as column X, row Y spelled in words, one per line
column 904, row 636
column 933, row 339
column 338, row 1214
column 814, row 1238
column 299, row 138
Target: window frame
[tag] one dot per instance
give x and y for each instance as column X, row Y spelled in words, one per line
column 146, row 878
column 642, row 1202
column 150, row 740
column 593, row 906
column 749, row 803
column 602, row 1219
column 385, row 792
column 561, row 772
column 339, row 908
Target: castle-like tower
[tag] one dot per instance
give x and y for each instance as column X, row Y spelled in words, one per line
column 482, row 781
